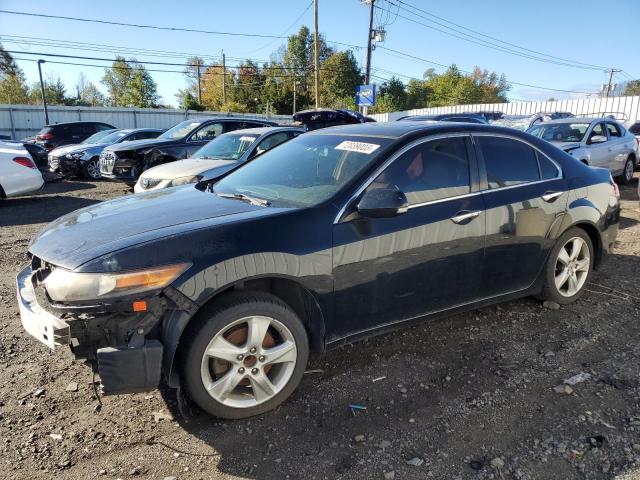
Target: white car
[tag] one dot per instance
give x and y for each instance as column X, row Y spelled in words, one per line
column 598, row 142
column 18, row 172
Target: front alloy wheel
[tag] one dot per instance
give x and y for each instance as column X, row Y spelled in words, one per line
column 243, row 355
column 92, row 169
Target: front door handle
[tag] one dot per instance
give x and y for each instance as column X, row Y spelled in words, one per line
column 551, row 196
column 464, row 217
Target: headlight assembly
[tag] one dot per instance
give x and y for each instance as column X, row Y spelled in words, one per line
column 184, row 180
column 77, row 155
column 67, row 286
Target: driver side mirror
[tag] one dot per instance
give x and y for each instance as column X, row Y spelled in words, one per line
column 383, row 203
column 597, row 139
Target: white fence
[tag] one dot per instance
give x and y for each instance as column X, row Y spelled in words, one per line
column 19, row 121
column 625, row 108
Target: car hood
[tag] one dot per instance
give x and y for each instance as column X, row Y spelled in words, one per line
column 79, row 147
column 184, row 168
column 90, row 232
column 140, row 144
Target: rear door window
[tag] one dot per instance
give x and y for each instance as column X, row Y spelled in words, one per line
column 433, row 170
column 614, row 130
column 208, row 132
column 508, row 162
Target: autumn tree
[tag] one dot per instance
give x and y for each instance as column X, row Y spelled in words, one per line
column 130, row 85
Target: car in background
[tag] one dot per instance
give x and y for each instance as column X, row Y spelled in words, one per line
column 446, row 117
column 126, row 161
column 316, row 118
column 18, row 172
column 83, row 159
column 338, row 234
column 52, row 136
column 524, row 122
column 634, row 128
column 39, row 154
column 216, row 158
column 597, row 142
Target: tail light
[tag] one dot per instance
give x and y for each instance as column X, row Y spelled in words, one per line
column 45, row 136
column 614, row 186
column 25, row 162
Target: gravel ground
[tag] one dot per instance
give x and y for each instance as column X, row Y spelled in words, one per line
column 468, row 397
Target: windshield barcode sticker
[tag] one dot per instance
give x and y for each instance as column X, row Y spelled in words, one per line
column 360, row 147
column 247, row 139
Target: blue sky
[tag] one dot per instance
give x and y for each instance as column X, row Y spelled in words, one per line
column 586, row 31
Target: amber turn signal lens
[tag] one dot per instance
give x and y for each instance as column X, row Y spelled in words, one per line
column 139, row 306
column 149, row 279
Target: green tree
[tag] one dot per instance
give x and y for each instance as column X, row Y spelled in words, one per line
column 339, row 78
column 391, row 97
column 188, row 102
column 13, row 86
column 418, row 94
column 245, row 89
column 87, row 94
column 54, row 91
column 130, row 86
column 633, row 88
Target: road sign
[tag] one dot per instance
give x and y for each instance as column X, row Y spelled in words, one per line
column 365, row 95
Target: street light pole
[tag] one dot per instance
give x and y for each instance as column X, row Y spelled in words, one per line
column 315, row 53
column 367, row 74
column 44, row 98
column 295, row 83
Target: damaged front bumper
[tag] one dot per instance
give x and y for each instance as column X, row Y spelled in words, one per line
column 122, row 345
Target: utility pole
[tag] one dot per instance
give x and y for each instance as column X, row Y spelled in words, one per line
column 367, row 74
column 611, row 72
column 199, row 84
column 44, row 98
column 224, row 79
column 315, row 53
column 294, row 96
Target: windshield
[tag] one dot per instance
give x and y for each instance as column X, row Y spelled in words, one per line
column 98, row 137
column 560, row 132
column 304, row 171
column 226, row 147
column 112, row 137
column 180, row 130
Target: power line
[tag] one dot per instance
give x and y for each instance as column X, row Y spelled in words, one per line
column 488, row 44
column 471, row 73
column 495, row 38
column 158, row 27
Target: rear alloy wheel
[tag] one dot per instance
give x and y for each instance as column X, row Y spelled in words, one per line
column 569, row 267
column 92, row 169
column 627, row 174
column 246, row 358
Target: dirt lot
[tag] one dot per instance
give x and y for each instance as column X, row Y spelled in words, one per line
column 469, row 397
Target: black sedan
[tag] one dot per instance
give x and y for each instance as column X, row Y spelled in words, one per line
column 338, row 234
column 125, row 162
column 446, row 117
column 82, row 159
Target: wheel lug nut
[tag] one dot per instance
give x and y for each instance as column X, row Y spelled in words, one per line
column 261, row 358
column 240, row 357
column 254, row 371
column 241, row 370
column 253, row 350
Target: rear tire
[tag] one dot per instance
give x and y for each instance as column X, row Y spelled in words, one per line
column 244, row 355
column 569, row 267
column 627, row 173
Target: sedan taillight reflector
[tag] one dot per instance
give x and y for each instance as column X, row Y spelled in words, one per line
column 25, row 162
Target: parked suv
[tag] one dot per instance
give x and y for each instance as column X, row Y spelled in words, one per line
column 335, row 235
column 126, row 161
column 599, row 142
column 52, row 136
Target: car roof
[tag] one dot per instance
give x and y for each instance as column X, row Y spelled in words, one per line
column 78, row 122
column 396, row 130
column 577, row 120
column 131, row 130
column 226, row 119
column 264, row 130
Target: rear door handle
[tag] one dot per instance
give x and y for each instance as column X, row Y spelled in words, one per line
column 465, row 216
column 551, row 196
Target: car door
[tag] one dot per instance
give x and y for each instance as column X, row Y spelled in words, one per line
column 525, row 197
column 425, row 260
column 598, row 152
column 201, row 136
column 618, row 151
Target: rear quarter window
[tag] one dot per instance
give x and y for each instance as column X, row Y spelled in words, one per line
column 508, row 162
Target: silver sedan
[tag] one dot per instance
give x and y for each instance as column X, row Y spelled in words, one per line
column 599, row 142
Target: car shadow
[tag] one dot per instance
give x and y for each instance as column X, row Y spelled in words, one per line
column 40, row 208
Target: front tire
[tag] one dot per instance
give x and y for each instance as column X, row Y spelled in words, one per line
column 244, row 355
column 569, row 267
column 91, row 169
